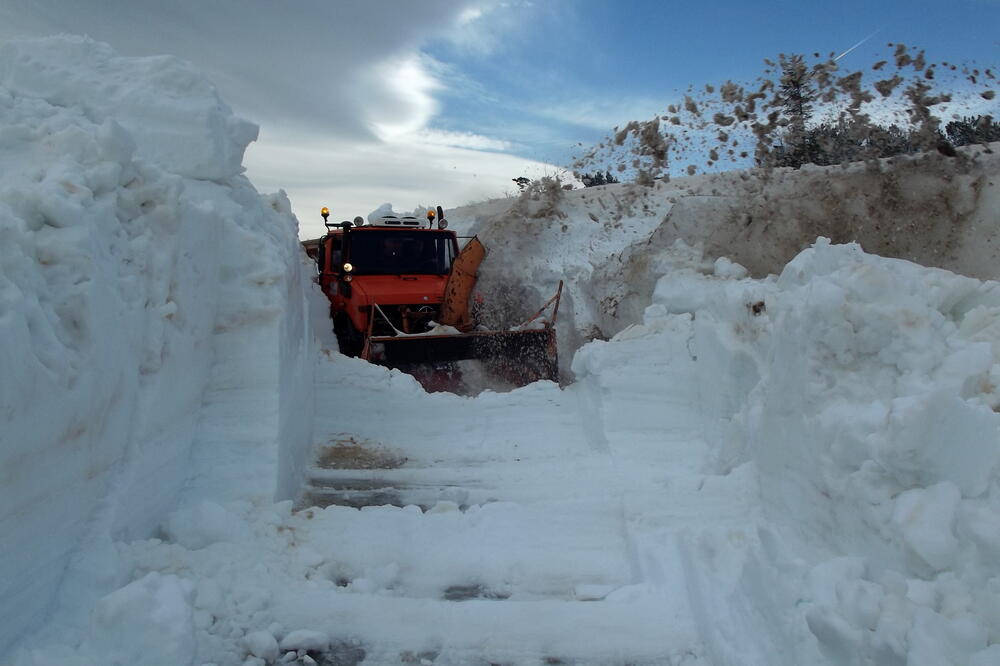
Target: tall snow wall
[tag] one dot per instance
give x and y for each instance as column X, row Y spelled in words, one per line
column 871, row 422
column 134, row 260
column 861, row 394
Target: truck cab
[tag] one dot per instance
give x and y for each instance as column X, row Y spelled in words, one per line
column 384, row 278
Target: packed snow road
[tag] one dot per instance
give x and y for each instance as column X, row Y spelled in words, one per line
column 540, row 526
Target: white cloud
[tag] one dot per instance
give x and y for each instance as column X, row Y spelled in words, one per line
column 409, row 103
column 469, row 15
column 354, row 178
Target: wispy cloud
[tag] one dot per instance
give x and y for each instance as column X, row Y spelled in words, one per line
column 461, row 140
column 601, row 112
column 483, row 27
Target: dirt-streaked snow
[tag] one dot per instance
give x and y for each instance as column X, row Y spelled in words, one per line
column 799, row 468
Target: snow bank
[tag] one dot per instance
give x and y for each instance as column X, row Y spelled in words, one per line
column 611, row 243
column 130, row 247
column 875, row 433
column 862, row 391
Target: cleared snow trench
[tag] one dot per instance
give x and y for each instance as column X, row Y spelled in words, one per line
column 666, row 508
column 537, row 526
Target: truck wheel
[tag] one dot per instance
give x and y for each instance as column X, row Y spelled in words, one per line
column 348, row 339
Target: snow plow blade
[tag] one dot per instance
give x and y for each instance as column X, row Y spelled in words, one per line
column 519, row 356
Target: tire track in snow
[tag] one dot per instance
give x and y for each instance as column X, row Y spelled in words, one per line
column 698, row 535
column 652, row 425
column 590, row 406
column 638, row 419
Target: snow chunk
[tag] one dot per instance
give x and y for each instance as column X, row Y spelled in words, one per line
column 261, row 644
column 443, row 506
column 988, row 657
column 203, row 524
column 925, row 517
column 149, row 621
column 308, row 557
column 939, row 436
column 592, row 591
column 305, row 639
column 724, row 268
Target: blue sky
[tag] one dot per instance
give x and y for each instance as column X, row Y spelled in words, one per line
column 596, row 63
column 419, row 102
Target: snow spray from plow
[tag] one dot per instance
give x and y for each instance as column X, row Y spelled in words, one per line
column 521, row 355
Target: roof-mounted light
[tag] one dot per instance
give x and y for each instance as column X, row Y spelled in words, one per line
column 325, row 212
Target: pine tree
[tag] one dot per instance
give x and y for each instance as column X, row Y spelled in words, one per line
column 796, row 96
column 971, row 130
column 592, row 179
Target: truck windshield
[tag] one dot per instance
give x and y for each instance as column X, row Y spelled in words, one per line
column 396, row 251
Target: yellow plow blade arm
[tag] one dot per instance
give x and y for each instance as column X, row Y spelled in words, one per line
column 455, row 309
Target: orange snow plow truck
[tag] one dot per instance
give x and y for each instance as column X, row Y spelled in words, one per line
column 399, row 291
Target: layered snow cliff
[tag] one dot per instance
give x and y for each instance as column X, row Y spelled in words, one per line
column 140, row 275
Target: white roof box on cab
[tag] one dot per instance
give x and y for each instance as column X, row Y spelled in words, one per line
column 395, row 221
